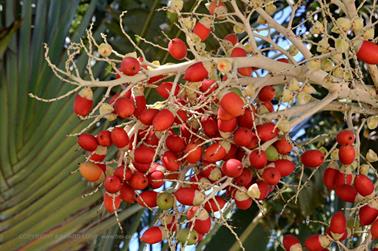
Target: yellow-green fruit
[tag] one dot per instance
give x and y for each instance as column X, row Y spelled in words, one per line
column 271, row 153
column 187, row 236
column 165, row 201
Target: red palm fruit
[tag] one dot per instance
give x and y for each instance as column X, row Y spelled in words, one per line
column 103, row 138
column 202, row 29
column 232, row 38
column 99, row 154
column 284, row 166
column 129, row 66
column 268, row 105
column 232, row 152
column 258, row 159
column 111, row 202
column 112, row 184
column 175, row 143
column 209, row 126
column 140, row 105
column 214, row 6
column 196, row 72
column 124, row 107
column 83, row 102
column 177, row 49
column 155, row 79
column 267, row 131
column 243, row 136
column 347, row 154
column 223, row 115
column 242, row 200
column 342, row 178
column 153, row 235
column 346, row 192
column 232, row 168
column 87, row 141
column 246, row 120
column 245, row 178
column 193, row 152
column 147, row 199
column 151, row 139
column 208, row 86
column 267, row 93
column 368, row 52
column 156, row 179
column 317, row 242
column 367, row 214
column 329, row 177
column 215, row 152
column 232, row 104
column 312, row 158
column 147, row 116
column 240, row 52
column 170, row 162
column 215, row 204
column 163, row 120
column 144, row 154
column 202, row 222
column 127, row 194
column 142, row 167
column 164, row 89
column 124, row 174
column 374, row 226
column 291, row 243
column 338, row 225
column 181, row 117
column 254, row 141
column 138, row 181
column 212, row 172
column 271, row 176
column 189, row 196
column 283, row 60
column 227, row 125
column 363, row 185
column 90, row 171
column 119, row 137
column 259, row 190
column 345, row 137
column 283, row 146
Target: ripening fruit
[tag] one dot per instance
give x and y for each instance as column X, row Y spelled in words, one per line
column 187, row 236
column 210, row 126
column 193, row 153
column 189, row 196
column 147, row 116
column 215, row 152
column 343, row 177
column 338, row 225
column 177, row 49
column 227, row 125
column 368, row 52
column 242, row 200
column 215, row 204
column 163, row 120
column 267, row 131
column 367, row 214
column 147, row 199
column 329, row 177
column 223, row 115
column 202, row 28
column 246, row 120
column 240, row 52
column 363, row 185
column 153, row 235
column 164, row 89
column 317, row 242
column 245, row 178
column 346, row 192
column 105, row 50
column 291, row 243
column 196, row 72
column 138, row 181
column 271, row 176
column 144, row 154
column 140, row 104
column 284, row 166
column 232, row 168
column 103, row 138
column 169, row 160
column 119, row 137
column 259, row 190
column 90, row 171
column 374, row 230
column 267, row 93
column 156, row 179
column 232, row 38
column 312, row 158
column 87, row 141
column 124, row 107
column 165, row 200
column 123, row 173
column 243, row 136
column 127, row 194
column 130, row 66
column 175, row 143
column 345, row 137
column 258, row 159
column 346, row 154
column 271, row 153
column 208, row 86
column 111, row 202
column 112, row 184
column 202, row 223
column 283, row 146
column 232, row 104
column 83, row 102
